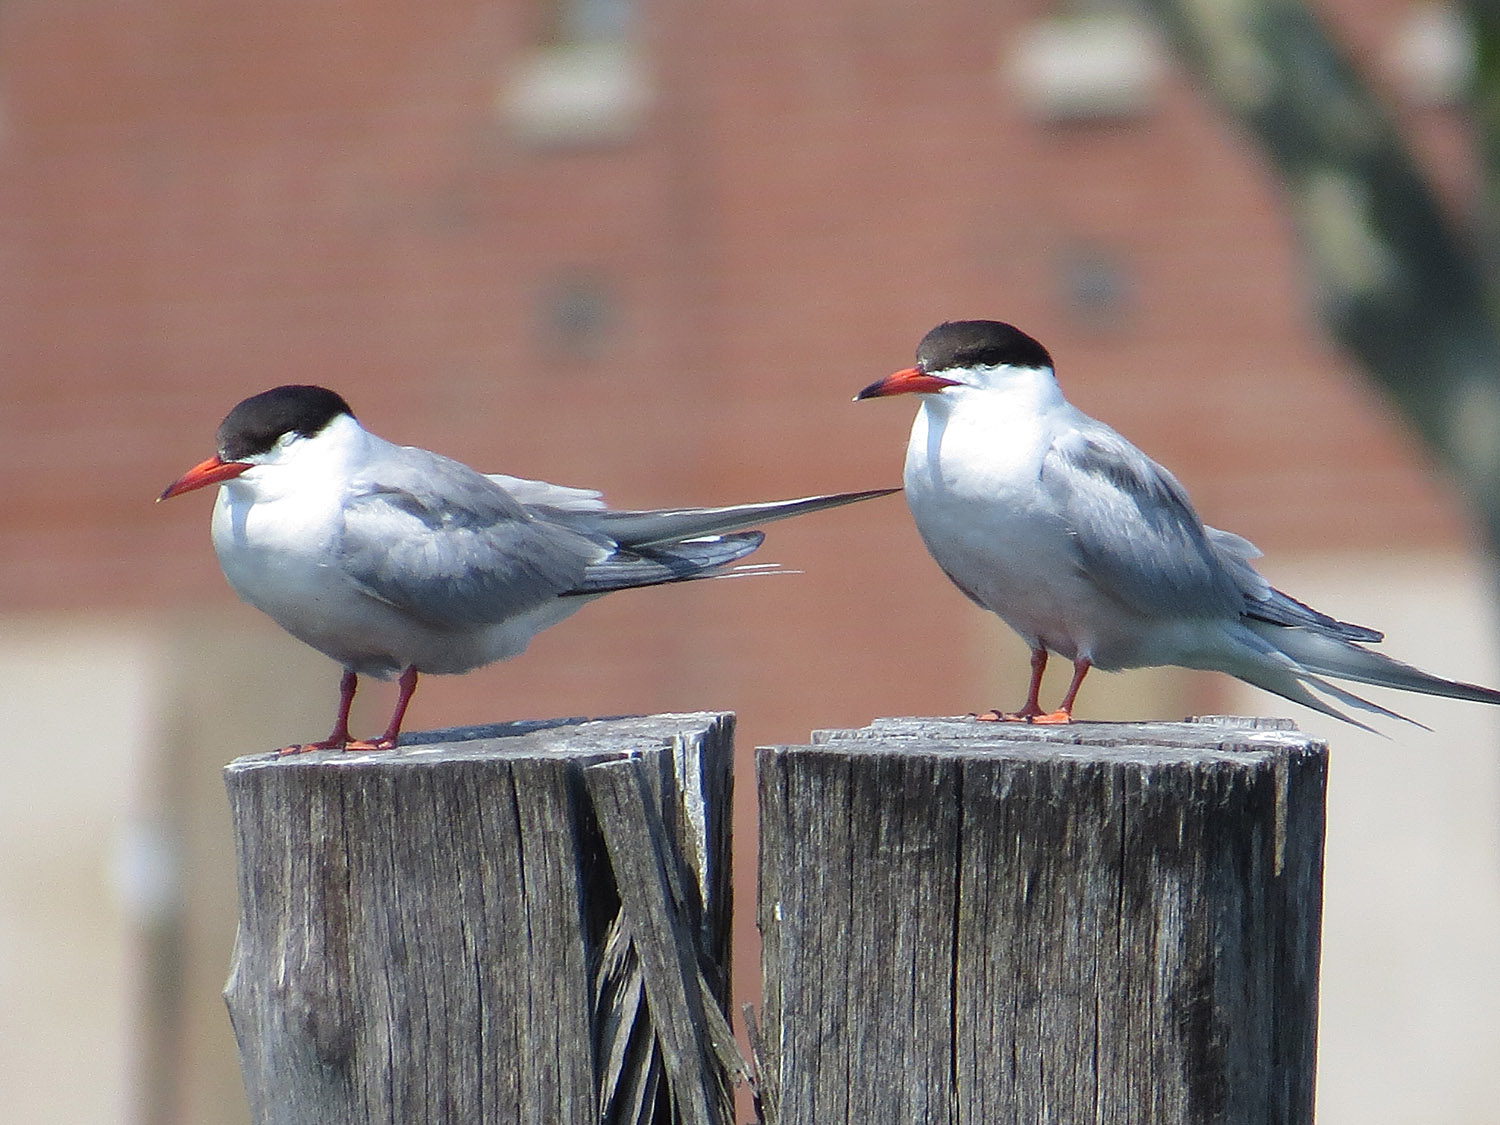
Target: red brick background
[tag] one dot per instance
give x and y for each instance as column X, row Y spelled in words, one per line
column 198, row 201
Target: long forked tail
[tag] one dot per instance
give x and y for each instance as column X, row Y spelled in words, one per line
column 679, row 544
column 637, row 529
column 1294, row 660
column 1284, row 678
column 1329, row 656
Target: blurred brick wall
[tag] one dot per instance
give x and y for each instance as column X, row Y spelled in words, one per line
column 198, row 201
column 201, row 200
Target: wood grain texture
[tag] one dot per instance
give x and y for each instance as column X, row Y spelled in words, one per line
column 965, row 922
column 450, row 933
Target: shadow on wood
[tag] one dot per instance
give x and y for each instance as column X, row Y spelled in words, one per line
column 975, row 922
column 524, row 923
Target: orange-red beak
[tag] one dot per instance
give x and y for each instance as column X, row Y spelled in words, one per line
column 212, row 471
column 908, row 381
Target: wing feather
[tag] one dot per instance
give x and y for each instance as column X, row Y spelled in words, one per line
column 540, row 492
column 1135, row 532
column 451, row 547
column 1172, row 563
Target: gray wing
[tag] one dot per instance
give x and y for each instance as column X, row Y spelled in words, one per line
column 1138, row 536
column 1134, row 530
column 443, row 543
column 559, row 496
column 1265, row 603
column 1277, row 608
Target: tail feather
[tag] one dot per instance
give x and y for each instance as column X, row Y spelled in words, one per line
column 1358, row 701
column 649, row 528
column 1259, row 663
column 675, row 562
column 1330, row 656
column 680, row 544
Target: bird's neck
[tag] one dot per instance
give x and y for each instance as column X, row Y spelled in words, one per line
column 982, row 441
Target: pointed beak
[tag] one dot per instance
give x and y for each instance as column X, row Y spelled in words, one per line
column 908, row 381
column 212, row 471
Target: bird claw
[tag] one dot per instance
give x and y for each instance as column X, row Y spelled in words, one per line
column 370, row 744
column 1055, row 718
column 1039, row 718
column 345, row 744
column 303, row 748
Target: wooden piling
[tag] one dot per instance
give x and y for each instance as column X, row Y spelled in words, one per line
column 527, row 923
column 1111, row 923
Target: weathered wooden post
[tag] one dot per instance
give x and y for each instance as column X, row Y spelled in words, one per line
column 969, row 922
column 527, row 923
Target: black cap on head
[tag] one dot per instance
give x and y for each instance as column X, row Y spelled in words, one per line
column 256, row 424
column 978, row 343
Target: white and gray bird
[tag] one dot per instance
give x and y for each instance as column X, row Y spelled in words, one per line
column 1087, row 548
column 395, row 561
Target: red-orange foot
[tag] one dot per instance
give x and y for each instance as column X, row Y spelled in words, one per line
column 1054, row 718
column 342, row 744
column 305, row 748
column 370, row 744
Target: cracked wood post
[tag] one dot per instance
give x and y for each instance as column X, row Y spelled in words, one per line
column 523, row 923
column 1107, row 922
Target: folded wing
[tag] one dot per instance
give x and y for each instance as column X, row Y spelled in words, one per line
column 451, row 547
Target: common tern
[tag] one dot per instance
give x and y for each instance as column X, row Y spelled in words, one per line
column 1087, row 548
column 395, row 561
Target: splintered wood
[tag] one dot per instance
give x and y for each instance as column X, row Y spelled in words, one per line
column 527, row 923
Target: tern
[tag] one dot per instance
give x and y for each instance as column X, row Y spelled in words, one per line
column 1089, row 549
column 395, row 561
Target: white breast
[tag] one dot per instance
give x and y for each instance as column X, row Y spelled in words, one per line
column 278, row 554
column 972, row 471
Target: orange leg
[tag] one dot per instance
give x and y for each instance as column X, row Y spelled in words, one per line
column 387, row 741
column 1032, row 707
column 339, row 739
column 1031, row 711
